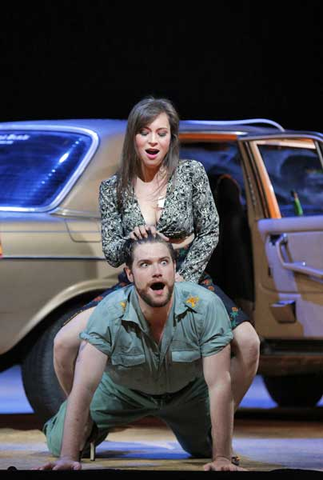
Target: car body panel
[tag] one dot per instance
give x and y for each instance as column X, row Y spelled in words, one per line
column 291, row 245
column 47, row 260
column 50, row 258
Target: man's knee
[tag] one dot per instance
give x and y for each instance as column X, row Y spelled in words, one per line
column 53, row 430
column 200, row 448
column 54, row 445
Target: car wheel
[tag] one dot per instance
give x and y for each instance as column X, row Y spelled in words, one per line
column 295, row 390
column 38, row 376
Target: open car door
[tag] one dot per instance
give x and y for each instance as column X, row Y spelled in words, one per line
column 284, row 175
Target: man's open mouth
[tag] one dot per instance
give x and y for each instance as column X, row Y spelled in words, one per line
column 157, row 286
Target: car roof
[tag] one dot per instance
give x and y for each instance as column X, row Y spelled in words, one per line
column 108, row 126
column 100, row 126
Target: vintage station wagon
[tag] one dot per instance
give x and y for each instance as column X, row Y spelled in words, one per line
column 268, row 187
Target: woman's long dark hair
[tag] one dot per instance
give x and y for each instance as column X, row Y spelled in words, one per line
column 141, row 115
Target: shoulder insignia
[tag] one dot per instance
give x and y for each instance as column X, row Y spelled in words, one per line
column 123, row 304
column 234, row 312
column 192, row 301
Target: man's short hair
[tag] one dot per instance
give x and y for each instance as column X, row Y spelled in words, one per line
column 131, row 245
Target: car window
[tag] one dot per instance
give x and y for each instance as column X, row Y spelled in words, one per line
column 296, row 174
column 218, row 158
column 37, row 167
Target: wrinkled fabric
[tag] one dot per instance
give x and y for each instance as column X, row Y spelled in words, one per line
column 198, row 326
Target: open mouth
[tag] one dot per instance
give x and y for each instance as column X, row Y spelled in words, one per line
column 152, row 151
column 157, row 286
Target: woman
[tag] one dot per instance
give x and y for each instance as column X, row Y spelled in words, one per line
column 155, row 191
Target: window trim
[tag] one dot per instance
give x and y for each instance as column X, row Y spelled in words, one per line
column 270, row 207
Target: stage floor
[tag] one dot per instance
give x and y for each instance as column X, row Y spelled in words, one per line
column 263, row 444
column 266, row 438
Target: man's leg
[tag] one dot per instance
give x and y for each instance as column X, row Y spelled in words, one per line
column 187, row 413
column 53, row 429
column 112, row 406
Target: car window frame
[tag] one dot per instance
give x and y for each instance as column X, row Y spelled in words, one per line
column 95, row 141
column 263, row 197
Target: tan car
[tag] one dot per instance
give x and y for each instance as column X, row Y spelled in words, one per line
column 267, row 183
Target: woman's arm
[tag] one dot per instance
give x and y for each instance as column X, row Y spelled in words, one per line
column 112, row 231
column 206, row 225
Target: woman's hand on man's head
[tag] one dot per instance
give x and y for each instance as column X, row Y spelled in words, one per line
column 142, row 231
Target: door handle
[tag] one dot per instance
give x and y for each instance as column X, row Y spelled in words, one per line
column 297, row 267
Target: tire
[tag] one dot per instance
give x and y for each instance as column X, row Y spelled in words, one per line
column 38, row 376
column 295, row 390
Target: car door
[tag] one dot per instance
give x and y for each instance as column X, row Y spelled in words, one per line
column 284, row 174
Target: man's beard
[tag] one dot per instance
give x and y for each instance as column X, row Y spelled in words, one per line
column 150, row 301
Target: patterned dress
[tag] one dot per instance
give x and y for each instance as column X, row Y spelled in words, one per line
column 189, row 208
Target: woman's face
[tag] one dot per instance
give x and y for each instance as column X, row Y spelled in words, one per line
column 152, row 143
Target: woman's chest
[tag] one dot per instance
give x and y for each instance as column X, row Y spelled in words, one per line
column 150, row 202
column 172, row 213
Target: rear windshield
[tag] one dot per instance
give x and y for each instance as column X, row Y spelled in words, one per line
column 37, row 168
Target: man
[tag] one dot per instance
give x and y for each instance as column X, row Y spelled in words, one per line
column 155, row 348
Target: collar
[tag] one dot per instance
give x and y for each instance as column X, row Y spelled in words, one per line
column 183, row 301
column 132, row 311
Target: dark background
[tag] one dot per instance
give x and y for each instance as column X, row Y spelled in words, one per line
column 214, row 60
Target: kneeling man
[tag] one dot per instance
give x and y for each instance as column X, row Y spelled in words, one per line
column 154, row 348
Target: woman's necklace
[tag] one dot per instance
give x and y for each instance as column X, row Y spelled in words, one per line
column 151, row 198
column 161, row 202
column 153, row 192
